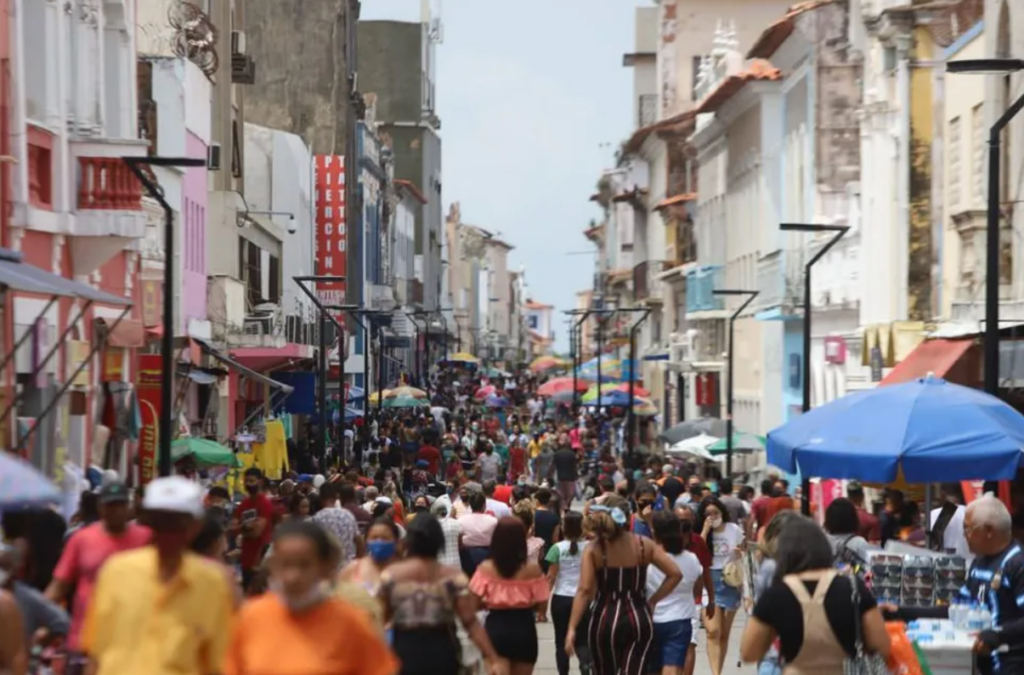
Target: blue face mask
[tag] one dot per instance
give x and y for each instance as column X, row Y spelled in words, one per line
column 381, row 551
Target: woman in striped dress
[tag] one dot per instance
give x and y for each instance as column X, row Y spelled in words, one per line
column 614, row 577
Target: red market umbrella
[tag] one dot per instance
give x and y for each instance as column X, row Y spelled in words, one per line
column 485, row 391
column 559, row 385
column 624, row 387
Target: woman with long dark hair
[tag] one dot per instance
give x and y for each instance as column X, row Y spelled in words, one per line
column 810, row 609
column 673, row 616
column 512, row 587
column 614, row 577
column 565, row 559
column 422, row 598
column 725, row 541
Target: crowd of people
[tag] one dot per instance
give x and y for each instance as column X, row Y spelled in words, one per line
column 437, row 544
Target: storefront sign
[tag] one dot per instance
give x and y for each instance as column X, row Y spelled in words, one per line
column 330, row 226
column 148, row 390
column 151, row 302
column 113, row 364
column 79, row 354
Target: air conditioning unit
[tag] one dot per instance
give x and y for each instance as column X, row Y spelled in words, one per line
column 213, row 157
column 238, row 42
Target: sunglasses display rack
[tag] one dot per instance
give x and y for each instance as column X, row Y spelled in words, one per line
column 922, row 579
column 886, row 576
column 950, row 575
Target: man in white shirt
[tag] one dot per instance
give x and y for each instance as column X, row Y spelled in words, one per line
column 494, row 507
column 953, row 534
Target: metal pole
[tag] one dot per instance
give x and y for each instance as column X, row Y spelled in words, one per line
column 321, row 443
column 991, row 349
column 366, row 369
column 631, row 419
column 380, row 367
column 838, row 232
column 749, row 295
column 166, row 425
column 600, row 349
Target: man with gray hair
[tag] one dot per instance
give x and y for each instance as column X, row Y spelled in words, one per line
column 996, row 578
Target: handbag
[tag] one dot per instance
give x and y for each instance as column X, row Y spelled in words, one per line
column 861, row 663
column 732, row 574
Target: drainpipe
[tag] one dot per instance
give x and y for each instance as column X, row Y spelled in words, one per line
column 903, row 143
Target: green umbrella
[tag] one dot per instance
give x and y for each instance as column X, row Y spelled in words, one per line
column 405, row 402
column 741, row 442
column 207, row 453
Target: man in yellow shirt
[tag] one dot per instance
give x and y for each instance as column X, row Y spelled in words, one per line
column 161, row 609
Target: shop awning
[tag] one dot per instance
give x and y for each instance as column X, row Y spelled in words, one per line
column 238, row 367
column 126, row 333
column 17, row 275
column 931, row 356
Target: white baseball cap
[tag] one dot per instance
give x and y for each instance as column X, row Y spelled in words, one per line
column 174, row 494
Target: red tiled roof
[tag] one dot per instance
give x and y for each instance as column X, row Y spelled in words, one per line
column 592, row 232
column 774, row 35
column 533, row 304
column 413, row 190
column 757, row 70
column 677, row 199
column 641, row 134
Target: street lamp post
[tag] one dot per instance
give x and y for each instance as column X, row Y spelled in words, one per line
column 166, row 424
column 631, row 419
column 575, row 348
column 325, row 317
column 991, row 342
column 749, row 295
column 837, row 233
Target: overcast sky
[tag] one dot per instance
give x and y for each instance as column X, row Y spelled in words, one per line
column 533, row 99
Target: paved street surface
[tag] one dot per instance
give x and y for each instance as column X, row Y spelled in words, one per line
column 546, row 663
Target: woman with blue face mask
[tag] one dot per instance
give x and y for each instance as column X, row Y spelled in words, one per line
column 381, row 548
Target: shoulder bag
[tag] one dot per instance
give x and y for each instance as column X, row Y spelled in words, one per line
column 861, row 663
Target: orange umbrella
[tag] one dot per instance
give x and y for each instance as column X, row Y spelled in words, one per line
column 559, row 385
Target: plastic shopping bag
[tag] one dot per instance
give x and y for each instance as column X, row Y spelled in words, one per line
column 902, row 655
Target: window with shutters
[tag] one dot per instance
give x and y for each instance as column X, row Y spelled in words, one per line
column 955, row 166
column 236, row 150
column 978, row 152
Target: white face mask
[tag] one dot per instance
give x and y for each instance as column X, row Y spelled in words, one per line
column 296, row 604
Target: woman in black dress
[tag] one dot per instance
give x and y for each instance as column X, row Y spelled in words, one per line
column 614, row 576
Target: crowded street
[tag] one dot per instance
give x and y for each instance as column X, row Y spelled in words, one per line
column 687, row 348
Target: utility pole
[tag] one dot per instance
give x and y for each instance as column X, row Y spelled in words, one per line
column 354, row 109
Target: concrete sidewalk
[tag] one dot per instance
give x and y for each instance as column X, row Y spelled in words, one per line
column 546, row 662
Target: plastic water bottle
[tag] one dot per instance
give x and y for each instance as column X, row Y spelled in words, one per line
column 957, row 614
column 974, row 619
column 986, row 618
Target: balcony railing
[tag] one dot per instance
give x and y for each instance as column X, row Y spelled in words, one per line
column 647, row 110
column 700, row 286
column 108, row 183
column 644, row 278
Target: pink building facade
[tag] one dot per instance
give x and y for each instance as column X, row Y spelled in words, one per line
column 193, row 242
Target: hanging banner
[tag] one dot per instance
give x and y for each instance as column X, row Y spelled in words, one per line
column 113, row 364
column 148, row 392
column 152, row 301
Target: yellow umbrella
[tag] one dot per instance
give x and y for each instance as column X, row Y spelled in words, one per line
column 405, row 392
column 462, row 357
column 542, row 363
column 375, row 396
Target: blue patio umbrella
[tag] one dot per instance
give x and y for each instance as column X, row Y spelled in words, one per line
column 356, row 393
column 932, row 430
column 352, row 413
column 21, row 484
column 616, row 399
column 495, row 401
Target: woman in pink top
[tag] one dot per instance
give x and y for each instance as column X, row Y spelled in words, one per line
column 512, row 588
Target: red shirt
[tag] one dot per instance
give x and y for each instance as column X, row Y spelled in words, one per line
column 516, row 461
column 699, row 548
column 868, row 526
column 432, row 456
column 252, row 547
column 759, row 510
column 503, row 494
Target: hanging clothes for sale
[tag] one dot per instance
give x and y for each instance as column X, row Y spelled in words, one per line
column 272, row 454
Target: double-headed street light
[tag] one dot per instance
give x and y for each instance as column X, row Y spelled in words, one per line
column 837, row 231
column 991, row 343
column 749, row 297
